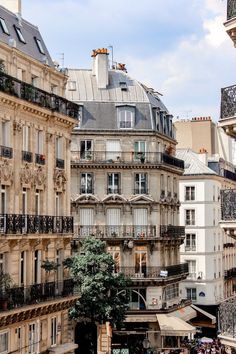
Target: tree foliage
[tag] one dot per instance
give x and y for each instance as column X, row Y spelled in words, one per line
column 102, row 294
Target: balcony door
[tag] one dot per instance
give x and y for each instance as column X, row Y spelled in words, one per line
column 140, row 221
column 113, row 150
column 140, row 261
column 113, row 222
column 86, row 221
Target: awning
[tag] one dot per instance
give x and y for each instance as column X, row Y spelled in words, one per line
column 207, row 314
column 185, row 313
column 63, row 348
column 174, row 326
column 141, row 318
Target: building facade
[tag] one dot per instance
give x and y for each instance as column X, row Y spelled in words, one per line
column 125, row 191
column 35, row 223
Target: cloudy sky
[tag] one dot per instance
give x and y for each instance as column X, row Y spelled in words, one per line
column 178, row 47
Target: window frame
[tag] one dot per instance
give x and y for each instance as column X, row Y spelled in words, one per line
column 126, row 110
column 87, row 189
column 4, row 26
column 39, row 45
column 190, row 193
column 138, row 188
column 192, row 242
column 191, row 294
column 19, row 34
column 191, row 220
column 5, row 333
column 113, row 187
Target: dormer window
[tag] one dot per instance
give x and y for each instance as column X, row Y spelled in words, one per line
column 4, row 26
column 123, row 86
column 19, row 34
column 39, row 45
column 126, row 116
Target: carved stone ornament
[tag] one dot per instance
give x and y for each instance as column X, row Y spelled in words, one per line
column 39, row 177
column 6, row 172
column 26, row 174
column 59, row 179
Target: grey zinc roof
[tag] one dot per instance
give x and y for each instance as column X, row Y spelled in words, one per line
column 192, row 164
column 87, row 89
column 29, row 31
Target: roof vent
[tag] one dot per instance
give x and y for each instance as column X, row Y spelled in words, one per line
column 12, row 42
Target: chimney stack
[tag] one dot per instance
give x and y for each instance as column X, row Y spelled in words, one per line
column 100, row 66
column 12, row 5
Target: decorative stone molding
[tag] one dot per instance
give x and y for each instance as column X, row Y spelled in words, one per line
column 40, row 177
column 59, row 180
column 17, row 127
column 26, row 175
column 6, row 172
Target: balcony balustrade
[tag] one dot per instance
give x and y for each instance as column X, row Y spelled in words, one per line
column 27, row 156
column 6, row 152
column 106, row 157
column 231, row 9
column 33, row 224
column 155, row 272
column 40, row 159
column 27, row 92
column 228, row 102
column 16, row 297
column 116, row 231
column 230, row 273
column 60, row 163
column 228, row 204
column 172, row 231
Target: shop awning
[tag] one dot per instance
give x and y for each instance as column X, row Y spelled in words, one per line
column 185, row 313
column 207, row 314
column 141, row 318
column 63, row 348
column 174, row 326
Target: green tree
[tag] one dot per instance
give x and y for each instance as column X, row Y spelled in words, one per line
column 102, row 293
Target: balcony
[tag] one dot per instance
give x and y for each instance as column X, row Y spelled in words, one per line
column 230, row 273
column 228, row 110
column 228, row 212
column 40, row 159
column 158, row 273
column 124, row 158
column 172, row 231
column 60, row 163
column 27, row 156
column 6, row 152
column 231, row 9
column 17, row 297
column 11, row 224
column 29, row 93
column 116, row 231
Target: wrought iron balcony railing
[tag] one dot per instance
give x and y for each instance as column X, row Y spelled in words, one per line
column 231, row 9
column 106, row 157
column 86, row 190
column 230, row 273
column 28, row 295
column 227, row 310
column 27, row 156
column 172, row 231
column 6, row 151
column 155, row 272
column 33, row 224
column 228, row 102
column 113, row 190
column 116, row 231
column 228, row 204
column 141, row 190
column 60, row 163
column 27, row 92
column 40, row 159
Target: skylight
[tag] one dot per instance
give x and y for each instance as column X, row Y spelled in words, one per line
column 19, row 34
column 39, row 45
column 4, row 26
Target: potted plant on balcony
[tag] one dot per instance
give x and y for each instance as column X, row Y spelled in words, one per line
column 49, row 266
column 5, row 285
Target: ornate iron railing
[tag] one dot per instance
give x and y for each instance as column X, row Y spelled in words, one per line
column 154, row 272
column 231, row 9
column 141, row 190
column 172, row 231
column 27, row 295
column 116, row 231
column 228, row 204
column 27, row 156
column 227, row 317
column 60, row 163
column 33, row 224
column 6, row 152
column 40, row 159
column 228, row 102
column 27, row 92
column 126, row 157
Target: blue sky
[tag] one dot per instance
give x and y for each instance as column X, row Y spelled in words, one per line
column 178, row 47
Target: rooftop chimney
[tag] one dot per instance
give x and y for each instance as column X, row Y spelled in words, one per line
column 12, row 5
column 203, row 155
column 100, row 66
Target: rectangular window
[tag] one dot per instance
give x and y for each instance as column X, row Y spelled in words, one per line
column 59, row 147
column 86, row 183
column 191, row 294
column 140, row 257
column 140, row 222
column 37, row 266
column 113, row 183
column 113, row 150
column 139, row 150
column 4, row 26
column 22, row 268
column 19, row 34
column 26, row 138
column 37, row 202
column 189, row 193
column 35, row 81
column 191, row 269
column 5, row 133
column 189, row 217
column 79, row 117
column 39, row 45
column 126, row 116
column 54, row 331
column 113, row 221
column 4, row 340
column 86, row 221
column 32, row 339
column 3, row 201
column 140, row 184
column 39, row 142
column 190, row 242
column 86, row 150
column 115, row 252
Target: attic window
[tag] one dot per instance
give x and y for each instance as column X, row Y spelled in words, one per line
column 4, row 26
column 19, row 34
column 71, row 85
column 39, row 45
column 123, row 86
